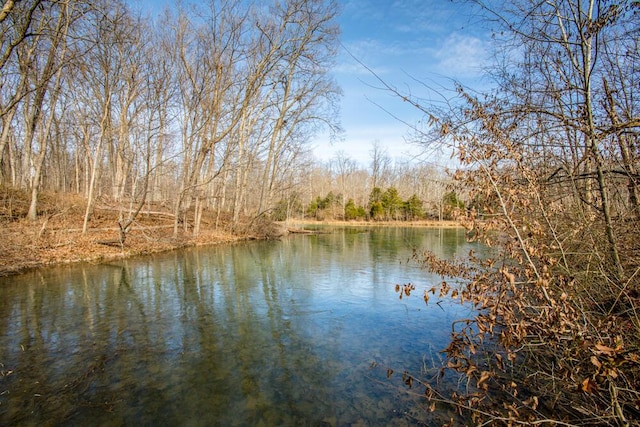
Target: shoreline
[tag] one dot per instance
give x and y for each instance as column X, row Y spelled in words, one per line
column 30, row 246
column 79, row 249
column 422, row 223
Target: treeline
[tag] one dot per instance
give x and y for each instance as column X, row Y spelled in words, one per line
column 377, row 188
column 384, row 205
column 201, row 108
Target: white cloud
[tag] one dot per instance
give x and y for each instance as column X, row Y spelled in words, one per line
column 405, row 43
column 461, row 56
column 371, row 47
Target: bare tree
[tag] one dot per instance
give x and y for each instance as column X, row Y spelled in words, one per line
column 207, row 57
column 149, row 98
column 304, row 94
column 16, row 23
column 43, row 76
column 101, row 76
column 380, row 165
column 344, row 168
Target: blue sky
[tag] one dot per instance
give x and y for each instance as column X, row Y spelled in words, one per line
column 411, row 45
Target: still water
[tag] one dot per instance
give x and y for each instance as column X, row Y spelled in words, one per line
column 302, row 331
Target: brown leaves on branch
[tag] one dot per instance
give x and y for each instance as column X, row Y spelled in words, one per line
column 556, row 334
column 405, row 289
column 550, row 172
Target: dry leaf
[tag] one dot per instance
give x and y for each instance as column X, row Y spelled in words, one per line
column 589, row 386
column 484, row 376
column 603, row 349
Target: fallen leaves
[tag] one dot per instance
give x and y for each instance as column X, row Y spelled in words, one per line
column 588, row 386
column 57, row 237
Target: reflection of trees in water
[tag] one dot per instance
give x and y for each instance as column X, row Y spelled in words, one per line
column 398, row 241
column 56, row 348
column 95, row 342
column 249, row 350
column 229, row 334
column 299, row 379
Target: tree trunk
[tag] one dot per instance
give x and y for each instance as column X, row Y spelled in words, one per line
column 95, row 165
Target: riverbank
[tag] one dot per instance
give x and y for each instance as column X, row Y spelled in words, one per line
column 57, row 238
column 422, row 223
column 26, row 245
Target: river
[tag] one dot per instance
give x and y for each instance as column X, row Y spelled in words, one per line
column 307, row 330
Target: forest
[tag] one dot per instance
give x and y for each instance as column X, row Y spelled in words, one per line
column 203, row 116
column 204, row 108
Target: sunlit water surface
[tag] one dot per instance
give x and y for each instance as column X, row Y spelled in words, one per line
column 302, row 331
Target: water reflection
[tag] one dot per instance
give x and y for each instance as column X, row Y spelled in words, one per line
column 268, row 333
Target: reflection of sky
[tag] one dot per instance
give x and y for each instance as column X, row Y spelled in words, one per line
column 245, row 325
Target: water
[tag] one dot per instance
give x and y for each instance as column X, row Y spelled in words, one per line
column 303, row 331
